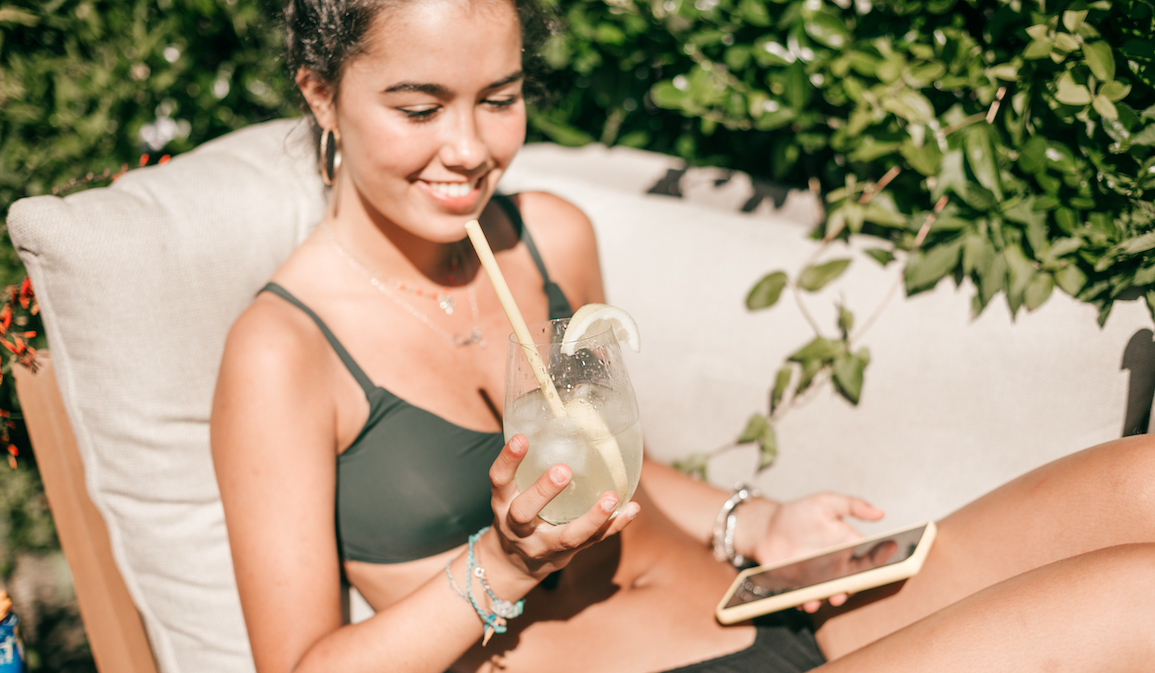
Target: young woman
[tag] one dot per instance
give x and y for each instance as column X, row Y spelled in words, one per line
column 356, row 432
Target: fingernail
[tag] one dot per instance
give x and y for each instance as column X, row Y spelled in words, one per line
column 609, row 503
column 632, row 511
column 557, row 474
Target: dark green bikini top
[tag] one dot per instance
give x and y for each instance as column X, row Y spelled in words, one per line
column 413, row 484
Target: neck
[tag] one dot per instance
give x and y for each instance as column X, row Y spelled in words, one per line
column 389, row 250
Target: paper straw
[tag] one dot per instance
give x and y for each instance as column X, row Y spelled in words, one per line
column 485, row 254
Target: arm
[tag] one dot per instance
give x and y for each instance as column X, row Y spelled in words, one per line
column 694, row 505
column 276, row 470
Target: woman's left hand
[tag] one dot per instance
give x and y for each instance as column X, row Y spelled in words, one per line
column 809, row 524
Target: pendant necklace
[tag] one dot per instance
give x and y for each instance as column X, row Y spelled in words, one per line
column 444, row 300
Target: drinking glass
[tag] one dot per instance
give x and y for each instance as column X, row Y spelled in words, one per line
column 599, row 437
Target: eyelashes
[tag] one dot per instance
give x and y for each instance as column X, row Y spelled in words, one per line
column 426, row 114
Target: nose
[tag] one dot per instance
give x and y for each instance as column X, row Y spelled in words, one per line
column 464, row 148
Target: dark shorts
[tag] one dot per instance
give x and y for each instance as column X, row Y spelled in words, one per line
column 784, row 644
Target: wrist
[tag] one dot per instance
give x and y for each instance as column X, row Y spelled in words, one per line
column 732, row 541
column 753, row 522
column 504, row 573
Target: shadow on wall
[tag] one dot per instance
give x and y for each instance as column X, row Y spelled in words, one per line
column 1139, row 359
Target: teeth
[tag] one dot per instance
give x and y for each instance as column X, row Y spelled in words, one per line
column 452, row 189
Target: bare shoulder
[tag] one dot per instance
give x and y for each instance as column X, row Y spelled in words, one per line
column 565, row 237
column 269, row 372
column 272, row 341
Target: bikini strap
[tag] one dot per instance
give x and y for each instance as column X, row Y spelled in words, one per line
column 559, row 306
column 350, row 364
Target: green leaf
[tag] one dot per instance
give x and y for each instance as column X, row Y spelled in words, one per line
column 1104, row 107
column 977, row 253
column 1033, row 155
column 15, row 15
column 1144, row 276
column 1137, row 244
column 926, row 159
column 1072, row 19
column 827, row 29
column 1115, row 90
column 1038, row 49
column 754, row 428
column 978, row 197
column 1038, row 31
column 877, row 212
column 1067, row 42
column 767, row 447
column 1150, row 297
column 881, row 255
column 767, row 291
column 979, row 143
column 814, row 278
column 810, row 369
column 870, row 149
column 925, row 269
column 1038, row 290
column 992, row 279
column 1100, row 60
column 1020, row 271
column 1071, row 279
column 819, row 350
column 1005, row 71
column 754, row 13
column 910, row 105
column 781, row 382
column 845, row 321
column 848, row 371
column 1070, row 93
column 952, row 175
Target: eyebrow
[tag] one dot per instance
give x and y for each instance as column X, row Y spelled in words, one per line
column 438, row 90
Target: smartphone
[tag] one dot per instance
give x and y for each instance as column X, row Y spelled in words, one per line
column 848, row 568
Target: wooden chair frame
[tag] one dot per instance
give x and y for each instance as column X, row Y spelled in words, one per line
column 116, row 634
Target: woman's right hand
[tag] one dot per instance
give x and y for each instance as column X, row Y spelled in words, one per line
column 534, row 546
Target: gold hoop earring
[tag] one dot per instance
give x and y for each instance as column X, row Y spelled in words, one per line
column 330, row 155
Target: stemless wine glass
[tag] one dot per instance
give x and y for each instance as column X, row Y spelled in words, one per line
column 599, row 437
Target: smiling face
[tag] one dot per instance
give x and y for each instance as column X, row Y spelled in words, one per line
column 429, row 115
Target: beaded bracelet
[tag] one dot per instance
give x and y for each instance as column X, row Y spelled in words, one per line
column 495, row 621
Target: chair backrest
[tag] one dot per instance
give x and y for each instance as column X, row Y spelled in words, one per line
column 138, row 284
column 116, row 635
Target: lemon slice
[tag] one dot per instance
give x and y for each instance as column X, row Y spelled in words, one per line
column 593, row 318
column 601, row 440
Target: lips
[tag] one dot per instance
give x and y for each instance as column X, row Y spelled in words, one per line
column 456, row 196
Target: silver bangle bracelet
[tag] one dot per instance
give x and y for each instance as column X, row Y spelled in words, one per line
column 725, row 524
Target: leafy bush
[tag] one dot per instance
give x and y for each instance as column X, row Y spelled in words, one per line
column 90, row 85
column 1003, row 141
column 1036, row 121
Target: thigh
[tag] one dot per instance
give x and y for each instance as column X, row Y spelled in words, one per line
column 1085, row 614
column 1097, row 498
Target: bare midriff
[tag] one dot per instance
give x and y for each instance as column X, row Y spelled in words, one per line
column 641, row 601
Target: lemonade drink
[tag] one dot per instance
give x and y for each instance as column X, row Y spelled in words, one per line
column 600, row 439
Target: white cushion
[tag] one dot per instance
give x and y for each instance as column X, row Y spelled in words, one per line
column 139, row 283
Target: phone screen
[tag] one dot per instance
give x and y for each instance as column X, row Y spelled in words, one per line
column 874, row 553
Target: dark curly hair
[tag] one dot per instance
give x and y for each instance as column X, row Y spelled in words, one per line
column 323, row 35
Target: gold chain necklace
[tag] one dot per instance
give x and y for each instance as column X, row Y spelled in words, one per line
column 473, row 337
